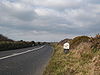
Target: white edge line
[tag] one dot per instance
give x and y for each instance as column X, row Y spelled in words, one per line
column 16, row 54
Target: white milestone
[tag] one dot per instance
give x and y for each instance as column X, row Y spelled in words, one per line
column 66, row 46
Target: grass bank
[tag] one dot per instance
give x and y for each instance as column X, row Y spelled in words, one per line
column 82, row 60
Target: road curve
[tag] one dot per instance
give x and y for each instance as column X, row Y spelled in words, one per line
column 28, row 61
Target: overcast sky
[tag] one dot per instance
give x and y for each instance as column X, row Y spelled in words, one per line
column 49, row 20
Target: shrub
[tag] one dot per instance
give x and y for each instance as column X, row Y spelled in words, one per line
column 8, row 45
column 95, row 42
column 77, row 40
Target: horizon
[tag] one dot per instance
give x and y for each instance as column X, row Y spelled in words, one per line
column 49, row 41
column 49, row 20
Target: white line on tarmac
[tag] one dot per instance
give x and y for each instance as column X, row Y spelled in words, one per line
column 16, row 54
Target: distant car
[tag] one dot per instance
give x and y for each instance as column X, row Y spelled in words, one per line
column 33, row 44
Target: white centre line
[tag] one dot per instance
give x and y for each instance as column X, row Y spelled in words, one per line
column 16, row 54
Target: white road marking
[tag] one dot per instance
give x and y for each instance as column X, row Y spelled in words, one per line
column 16, row 54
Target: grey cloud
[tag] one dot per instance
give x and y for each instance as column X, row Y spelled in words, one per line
column 94, row 1
column 17, row 11
column 49, row 21
column 25, row 15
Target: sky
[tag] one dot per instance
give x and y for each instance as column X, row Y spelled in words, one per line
column 49, row 20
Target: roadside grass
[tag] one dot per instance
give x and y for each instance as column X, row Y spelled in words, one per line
column 82, row 60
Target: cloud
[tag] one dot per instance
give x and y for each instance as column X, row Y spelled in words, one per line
column 49, row 20
column 17, row 11
column 57, row 4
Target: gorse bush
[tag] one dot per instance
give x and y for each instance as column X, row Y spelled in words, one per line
column 77, row 40
column 95, row 42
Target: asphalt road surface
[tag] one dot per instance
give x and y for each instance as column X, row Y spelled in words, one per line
column 28, row 61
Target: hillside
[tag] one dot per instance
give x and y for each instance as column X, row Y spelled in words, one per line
column 83, row 58
column 4, row 38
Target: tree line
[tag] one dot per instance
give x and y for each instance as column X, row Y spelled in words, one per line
column 9, row 44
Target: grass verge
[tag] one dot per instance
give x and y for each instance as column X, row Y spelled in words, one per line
column 79, row 61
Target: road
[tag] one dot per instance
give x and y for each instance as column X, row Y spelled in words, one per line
column 28, row 61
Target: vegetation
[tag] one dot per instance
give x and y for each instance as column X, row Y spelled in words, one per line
column 8, row 44
column 77, row 40
column 95, row 42
column 64, row 41
column 83, row 58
